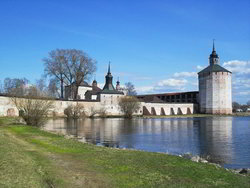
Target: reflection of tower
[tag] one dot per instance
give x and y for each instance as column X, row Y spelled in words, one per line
column 215, row 87
column 215, row 135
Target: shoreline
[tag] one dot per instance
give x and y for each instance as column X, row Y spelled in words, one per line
column 39, row 158
column 189, row 156
column 200, row 115
column 241, row 114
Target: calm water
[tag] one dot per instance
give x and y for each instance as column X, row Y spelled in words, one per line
column 226, row 140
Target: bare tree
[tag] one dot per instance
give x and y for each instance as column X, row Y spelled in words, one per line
column 53, row 88
column 130, row 88
column 69, row 66
column 15, row 86
column 32, row 108
column 75, row 111
column 1, row 87
column 235, row 106
column 55, row 66
column 129, row 105
column 81, row 68
column 41, row 86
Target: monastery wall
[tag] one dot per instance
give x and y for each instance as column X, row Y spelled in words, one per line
column 168, row 108
column 109, row 103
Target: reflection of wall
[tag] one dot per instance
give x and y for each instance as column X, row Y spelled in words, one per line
column 199, row 136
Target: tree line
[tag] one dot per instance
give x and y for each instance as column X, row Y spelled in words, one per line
column 243, row 107
column 62, row 67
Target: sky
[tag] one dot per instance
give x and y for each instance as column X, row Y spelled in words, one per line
column 158, row 45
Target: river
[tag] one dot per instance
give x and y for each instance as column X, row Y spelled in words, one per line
column 223, row 140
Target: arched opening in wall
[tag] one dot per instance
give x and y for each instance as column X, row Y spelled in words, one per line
column 172, row 111
column 179, row 112
column 163, row 112
column 153, row 112
column 188, row 111
column 11, row 112
column 145, row 111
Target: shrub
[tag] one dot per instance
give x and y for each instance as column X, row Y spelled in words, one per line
column 129, row 105
column 99, row 113
column 75, row 112
column 33, row 111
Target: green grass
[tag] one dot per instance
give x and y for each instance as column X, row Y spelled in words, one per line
column 34, row 158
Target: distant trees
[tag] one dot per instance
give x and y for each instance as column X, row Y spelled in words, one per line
column 248, row 103
column 69, row 66
column 53, row 88
column 16, row 86
column 1, row 87
column 129, row 105
column 243, row 107
column 235, row 106
column 130, row 88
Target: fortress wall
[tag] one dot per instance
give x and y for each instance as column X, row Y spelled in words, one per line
column 7, row 107
column 108, row 102
column 170, row 108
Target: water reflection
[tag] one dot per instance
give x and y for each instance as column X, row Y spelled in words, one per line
column 226, row 140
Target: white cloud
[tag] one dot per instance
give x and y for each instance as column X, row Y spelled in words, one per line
column 185, row 74
column 199, row 67
column 145, row 89
column 238, row 67
column 172, row 82
column 167, row 85
column 244, row 93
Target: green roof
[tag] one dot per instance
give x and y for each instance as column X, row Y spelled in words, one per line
column 213, row 68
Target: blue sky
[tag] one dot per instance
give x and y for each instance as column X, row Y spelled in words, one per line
column 157, row 45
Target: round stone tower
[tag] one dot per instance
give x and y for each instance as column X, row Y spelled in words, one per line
column 215, row 87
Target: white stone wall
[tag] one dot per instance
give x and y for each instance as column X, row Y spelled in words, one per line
column 108, row 102
column 215, row 93
column 5, row 105
column 170, row 108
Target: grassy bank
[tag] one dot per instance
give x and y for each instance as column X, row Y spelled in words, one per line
column 34, row 158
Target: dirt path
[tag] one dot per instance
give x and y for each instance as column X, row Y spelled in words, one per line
column 60, row 170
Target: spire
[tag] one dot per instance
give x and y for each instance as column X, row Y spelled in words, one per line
column 108, row 85
column 109, row 68
column 213, row 46
column 214, row 58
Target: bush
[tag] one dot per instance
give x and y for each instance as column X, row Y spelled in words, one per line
column 33, row 111
column 129, row 105
column 75, row 112
column 98, row 113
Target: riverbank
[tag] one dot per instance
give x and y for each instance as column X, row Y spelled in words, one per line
column 34, row 158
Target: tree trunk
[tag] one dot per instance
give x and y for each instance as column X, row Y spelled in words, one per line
column 61, row 88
